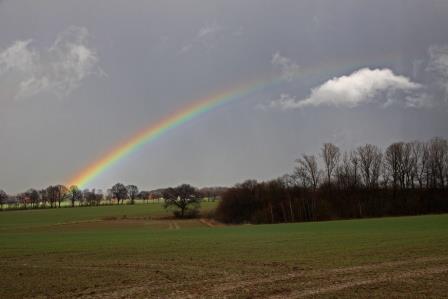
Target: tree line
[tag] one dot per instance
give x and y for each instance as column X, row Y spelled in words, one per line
column 55, row 196
column 406, row 178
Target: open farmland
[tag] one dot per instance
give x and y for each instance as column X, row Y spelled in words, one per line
column 100, row 253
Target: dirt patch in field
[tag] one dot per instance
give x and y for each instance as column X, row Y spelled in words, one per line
column 298, row 284
column 385, row 277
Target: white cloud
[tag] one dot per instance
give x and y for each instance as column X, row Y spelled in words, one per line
column 18, row 57
column 363, row 86
column 58, row 69
column 288, row 67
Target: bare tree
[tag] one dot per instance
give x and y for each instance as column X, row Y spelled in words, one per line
column 438, row 148
column 120, row 192
column 109, row 195
column 308, row 171
column 22, row 198
column 393, row 162
column 420, row 159
column 330, row 155
column 346, row 172
column 132, row 192
column 3, row 198
column 354, row 160
column 74, row 194
column 99, row 196
column 370, row 158
column 33, row 197
column 144, row 195
column 52, row 195
column 61, row 193
column 43, row 197
column 408, row 166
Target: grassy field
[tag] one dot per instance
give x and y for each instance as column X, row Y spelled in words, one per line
column 137, row 252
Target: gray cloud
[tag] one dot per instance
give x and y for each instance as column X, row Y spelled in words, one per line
column 438, row 64
column 288, row 67
column 58, row 69
column 18, row 57
column 205, row 37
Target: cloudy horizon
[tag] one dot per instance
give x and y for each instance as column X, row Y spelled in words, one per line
column 77, row 80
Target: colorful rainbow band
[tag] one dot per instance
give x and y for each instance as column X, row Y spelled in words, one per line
column 200, row 107
column 156, row 130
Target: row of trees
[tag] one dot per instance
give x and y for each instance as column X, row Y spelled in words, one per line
column 183, row 200
column 406, row 178
column 54, row 196
column 403, row 165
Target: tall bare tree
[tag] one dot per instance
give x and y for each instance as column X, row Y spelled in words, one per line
column 347, row 171
column 370, row 158
column 420, row 159
column 330, row 154
column 307, row 171
column 132, row 192
column 61, row 193
column 393, row 161
column 438, row 158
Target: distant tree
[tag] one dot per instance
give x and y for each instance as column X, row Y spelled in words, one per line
column 85, row 197
column 51, row 195
column 420, row 159
column 74, row 194
column 343, row 173
column 307, row 171
column 3, row 198
column 33, row 197
column 144, row 195
column 132, row 192
column 99, row 196
column 43, row 197
column 56, row 194
column 119, row 192
column 109, row 195
column 330, row 154
column 61, row 193
column 370, row 159
column 438, row 149
column 23, row 199
column 184, row 199
column 393, row 162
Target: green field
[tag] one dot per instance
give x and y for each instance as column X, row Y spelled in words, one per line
column 137, row 251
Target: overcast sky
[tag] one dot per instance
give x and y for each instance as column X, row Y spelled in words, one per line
column 79, row 77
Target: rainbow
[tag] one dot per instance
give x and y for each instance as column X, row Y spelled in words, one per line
column 158, row 129
column 200, row 107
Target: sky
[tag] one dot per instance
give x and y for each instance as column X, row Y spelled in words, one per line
column 79, row 78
